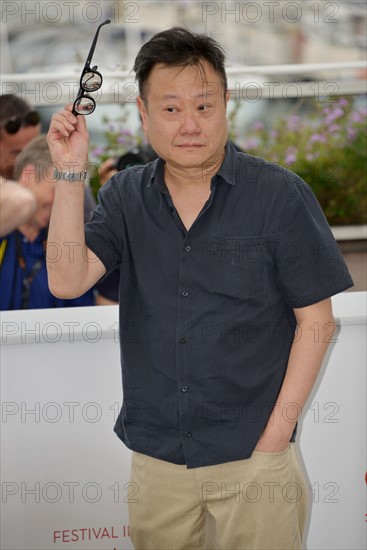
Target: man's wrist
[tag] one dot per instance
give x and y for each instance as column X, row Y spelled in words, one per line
column 283, row 420
column 70, row 176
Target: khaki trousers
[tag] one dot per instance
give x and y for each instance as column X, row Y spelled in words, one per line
column 256, row 504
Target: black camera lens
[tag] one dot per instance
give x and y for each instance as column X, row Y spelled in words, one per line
column 136, row 157
column 128, row 160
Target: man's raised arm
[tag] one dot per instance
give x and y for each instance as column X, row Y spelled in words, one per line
column 72, row 267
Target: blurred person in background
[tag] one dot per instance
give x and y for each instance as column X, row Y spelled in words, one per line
column 19, row 124
column 17, row 204
column 23, row 274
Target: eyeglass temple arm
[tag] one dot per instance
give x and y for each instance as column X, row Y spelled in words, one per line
column 93, row 47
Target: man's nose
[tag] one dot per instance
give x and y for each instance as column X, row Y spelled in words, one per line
column 190, row 123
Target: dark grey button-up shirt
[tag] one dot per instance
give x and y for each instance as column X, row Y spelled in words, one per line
column 206, row 315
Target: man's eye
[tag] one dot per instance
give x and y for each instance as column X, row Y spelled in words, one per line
column 171, row 109
column 203, row 107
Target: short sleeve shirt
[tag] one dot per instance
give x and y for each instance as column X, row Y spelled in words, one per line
column 206, row 315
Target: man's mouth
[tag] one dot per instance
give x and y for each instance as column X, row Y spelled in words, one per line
column 190, row 145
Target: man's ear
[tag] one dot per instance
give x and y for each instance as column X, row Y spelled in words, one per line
column 143, row 112
column 227, row 97
column 28, row 176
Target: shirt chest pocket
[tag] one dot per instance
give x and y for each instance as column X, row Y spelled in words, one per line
column 237, row 267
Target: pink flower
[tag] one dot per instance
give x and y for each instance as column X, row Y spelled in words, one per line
column 351, row 132
column 98, row 151
column 336, row 113
column 251, row 143
column 258, row 126
column 356, row 117
column 291, row 155
column 290, row 158
column 293, row 123
column 122, row 140
column 318, row 138
column 342, row 102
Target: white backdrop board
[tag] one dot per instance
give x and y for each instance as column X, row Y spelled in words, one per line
column 65, row 474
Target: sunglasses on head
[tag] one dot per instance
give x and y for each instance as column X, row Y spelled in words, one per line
column 90, row 81
column 13, row 124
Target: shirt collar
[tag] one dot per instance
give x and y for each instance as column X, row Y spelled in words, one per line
column 157, row 173
column 227, row 171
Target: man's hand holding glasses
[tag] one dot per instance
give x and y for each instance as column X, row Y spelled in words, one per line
column 67, row 137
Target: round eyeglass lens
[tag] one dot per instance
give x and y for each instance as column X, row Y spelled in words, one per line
column 84, row 106
column 91, row 81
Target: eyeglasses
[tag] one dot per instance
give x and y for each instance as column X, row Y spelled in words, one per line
column 90, row 81
column 13, row 124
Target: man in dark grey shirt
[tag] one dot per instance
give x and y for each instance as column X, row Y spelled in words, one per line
column 226, row 262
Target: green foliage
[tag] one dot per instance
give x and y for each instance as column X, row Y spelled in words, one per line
column 119, row 139
column 328, row 150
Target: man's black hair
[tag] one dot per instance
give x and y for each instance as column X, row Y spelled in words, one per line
column 178, row 47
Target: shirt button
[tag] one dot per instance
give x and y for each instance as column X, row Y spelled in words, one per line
column 185, row 293
column 185, row 389
column 182, row 340
column 188, row 248
column 188, row 434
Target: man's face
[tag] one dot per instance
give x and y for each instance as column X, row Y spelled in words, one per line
column 44, row 191
column 12, row 144
column 184, row 116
